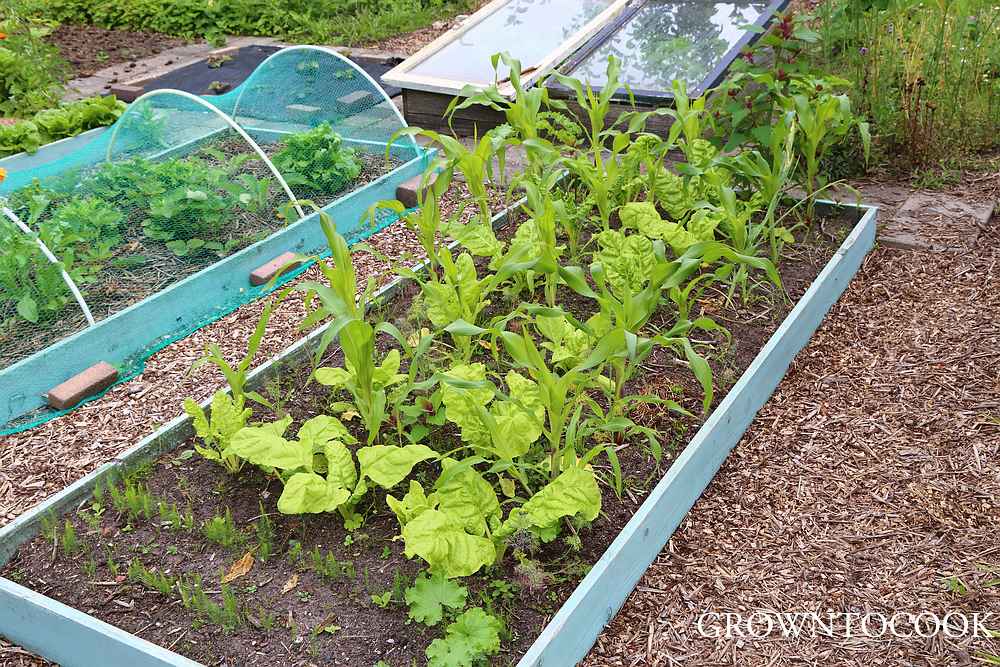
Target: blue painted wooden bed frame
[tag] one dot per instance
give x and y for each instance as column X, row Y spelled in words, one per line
column 70, row 637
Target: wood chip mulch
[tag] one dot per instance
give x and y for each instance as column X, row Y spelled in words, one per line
column 411, row 42
column 868, row 482
column 15, row 656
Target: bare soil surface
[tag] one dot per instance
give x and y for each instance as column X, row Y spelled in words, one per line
column 89, row 49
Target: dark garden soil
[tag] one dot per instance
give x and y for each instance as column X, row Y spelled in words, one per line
column 293, row 614
column 89, row 49
column 122, row 282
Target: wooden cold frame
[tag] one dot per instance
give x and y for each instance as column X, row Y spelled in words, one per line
column 401, row 76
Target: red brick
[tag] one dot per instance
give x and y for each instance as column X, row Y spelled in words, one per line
column 263, row 274
column 408, row 191
column 126, row 92
column 95, row 379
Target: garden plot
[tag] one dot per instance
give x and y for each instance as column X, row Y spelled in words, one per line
column 186, row 522
column 504, row 411
column 177, row 203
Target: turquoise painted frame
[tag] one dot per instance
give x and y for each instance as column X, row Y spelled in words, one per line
column 67, row 636
column 200, row 298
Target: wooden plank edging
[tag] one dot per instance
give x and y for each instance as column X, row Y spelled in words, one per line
column 78, row 638
column 70, row 637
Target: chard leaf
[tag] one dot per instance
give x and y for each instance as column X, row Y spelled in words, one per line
column 323, row 428
column 388, row 372
column 702, row 225
column 264, row 446
column 644, row 217
column 672, row 194
column 340, row 469
column 515, row 432
column 467, row 282
column 440, row 539
column 442, row 304
column 572, row 493
column 388, row 465
column 475, row 236
column 627, row 259
column 225, row 420
column 566, row 342
column 462, row 403
column 412, row 505
column 332, row 377
column 465, row 496
column 527, row 394
column 307, row 492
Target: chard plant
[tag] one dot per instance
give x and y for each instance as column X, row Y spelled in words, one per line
column 557, row 394
column 318, row 469
column 458, row 528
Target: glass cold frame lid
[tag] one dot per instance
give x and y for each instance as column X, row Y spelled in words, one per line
column 672, row 39
column 528, row 29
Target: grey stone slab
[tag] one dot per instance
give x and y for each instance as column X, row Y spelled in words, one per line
column 936, row 221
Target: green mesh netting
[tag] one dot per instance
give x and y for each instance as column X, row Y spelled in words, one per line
column 143, row 215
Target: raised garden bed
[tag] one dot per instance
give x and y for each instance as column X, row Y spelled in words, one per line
column 172, row 209
column 120, row 283
column 348, row 617
column 191, row 291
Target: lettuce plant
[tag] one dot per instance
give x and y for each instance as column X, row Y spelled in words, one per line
column 317, row 160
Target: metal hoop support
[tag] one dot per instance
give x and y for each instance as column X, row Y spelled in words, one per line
column 52, row 258
column 323, row 49
column 229, row 121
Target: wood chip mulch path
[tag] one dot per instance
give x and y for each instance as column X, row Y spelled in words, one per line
column 870, row 482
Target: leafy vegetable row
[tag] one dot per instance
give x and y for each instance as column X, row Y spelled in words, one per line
column 187, row 204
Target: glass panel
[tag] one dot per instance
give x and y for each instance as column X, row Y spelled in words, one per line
column 672, row 39
column 528, row 29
